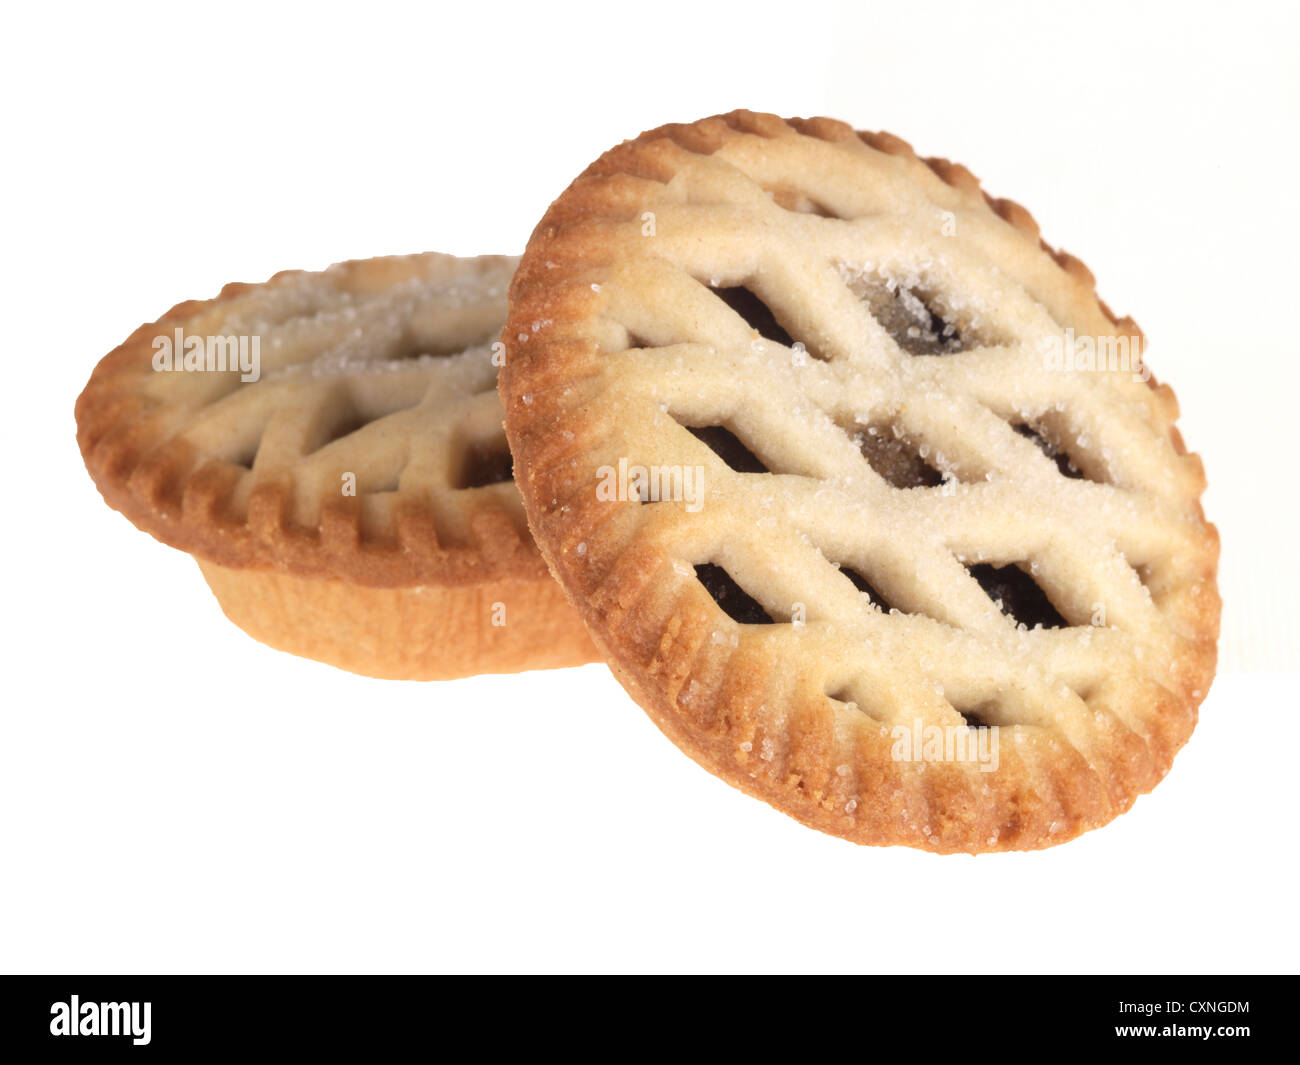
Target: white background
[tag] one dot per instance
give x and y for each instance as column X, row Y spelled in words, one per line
column 174, row 796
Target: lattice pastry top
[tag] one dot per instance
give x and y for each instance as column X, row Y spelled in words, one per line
column 807, row 427
column 340, row 423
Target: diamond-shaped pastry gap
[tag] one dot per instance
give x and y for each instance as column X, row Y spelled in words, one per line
column 1076, row 446
column 918, row 316
column 789, row 198
column 1018, row 595
column 413, row 345
column 977, row 717
column 729, row 447
column 911, row 316
column 245, row 454
column 846, row 697
column 978, row 710
column 1154, row 582
column 343, row 426
column 482, row 463
column 896, row 458
column 759, row 316
column 1049, row 447
column 734, row 601
column 864, row 586
column 1088, row 690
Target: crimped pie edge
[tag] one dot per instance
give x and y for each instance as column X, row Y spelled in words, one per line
column 1054, row 796
column 151, row 484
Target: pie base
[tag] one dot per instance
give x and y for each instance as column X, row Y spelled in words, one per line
column 413, row 633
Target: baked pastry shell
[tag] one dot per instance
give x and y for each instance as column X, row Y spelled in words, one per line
column 405, row 607
column 659, row 634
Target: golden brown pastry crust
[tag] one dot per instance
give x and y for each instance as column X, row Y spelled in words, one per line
column 428, row 632
column 379, row 370
column 619, row 270
column 148, row 470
